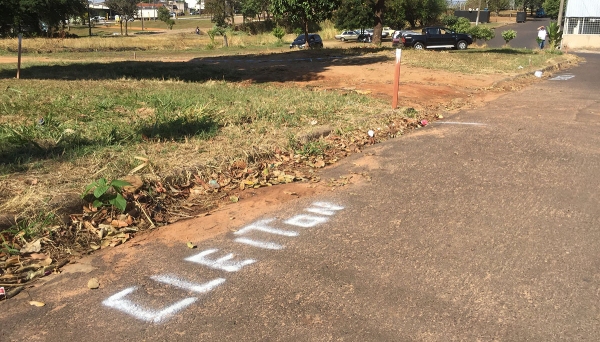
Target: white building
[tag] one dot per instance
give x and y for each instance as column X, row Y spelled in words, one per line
column 581, row 27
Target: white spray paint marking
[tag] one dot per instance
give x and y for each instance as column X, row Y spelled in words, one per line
column 263, row 227
column 119, row 302
column 324, row 208
column 306, row 221
column 460, row 123
column 223, row 263
column 562, row 77
column 186, row 285
column 259, row 244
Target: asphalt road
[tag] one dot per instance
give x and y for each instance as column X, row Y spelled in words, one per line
column 480, row 227
column 526, row 34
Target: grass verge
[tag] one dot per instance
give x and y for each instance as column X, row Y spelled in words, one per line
column 186, row 134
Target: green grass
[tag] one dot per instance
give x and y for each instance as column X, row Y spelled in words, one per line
column 181, row 107
column 82, row 117
column 480, row 61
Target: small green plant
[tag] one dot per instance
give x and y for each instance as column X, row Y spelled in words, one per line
column 105, row 193
column 411, row 112
column 278, row 32
column 509, row 35
column 313, row 148
column 554, row 35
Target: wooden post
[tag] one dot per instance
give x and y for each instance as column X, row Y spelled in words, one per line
column 396, row 78
column 19, row 56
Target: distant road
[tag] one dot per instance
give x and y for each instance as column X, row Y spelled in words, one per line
column 526, row 33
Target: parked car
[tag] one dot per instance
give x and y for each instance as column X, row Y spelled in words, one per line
column 314, row 41
column 388, row 31
column 540, row 13
column 347, row 35
column 437, row 38
column 365, row 37
column 397, row 35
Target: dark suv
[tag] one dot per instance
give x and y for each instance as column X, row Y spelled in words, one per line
column 314, row 41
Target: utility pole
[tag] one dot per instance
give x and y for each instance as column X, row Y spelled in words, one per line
column 560, row 14
column 478, row 10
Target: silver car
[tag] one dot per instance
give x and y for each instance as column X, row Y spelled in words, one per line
column 347, row 35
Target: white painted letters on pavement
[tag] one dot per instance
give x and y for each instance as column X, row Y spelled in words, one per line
column 119, row 302
column 186, row 285
column 259, row 244
column 226, row 263
column 262, row 226
column 306, row 221
column 323, row 208
column 223, row 263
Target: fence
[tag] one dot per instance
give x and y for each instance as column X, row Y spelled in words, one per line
column 582, row 26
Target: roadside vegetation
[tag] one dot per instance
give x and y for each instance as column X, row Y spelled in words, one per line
column 108, row 135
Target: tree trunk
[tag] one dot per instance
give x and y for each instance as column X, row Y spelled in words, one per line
column 377, row 29
column 306, row 45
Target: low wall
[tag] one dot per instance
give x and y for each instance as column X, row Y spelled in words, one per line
column 581, row 41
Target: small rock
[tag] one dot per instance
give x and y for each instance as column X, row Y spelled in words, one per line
column 93, row 283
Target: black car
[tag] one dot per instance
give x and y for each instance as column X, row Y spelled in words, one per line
column 436, row 38
column 314, row 41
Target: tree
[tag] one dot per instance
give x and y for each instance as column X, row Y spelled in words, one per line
column 126, row 9
column 15, row 15
column 551, row 8
column 222, row 11
column 498, row 5
column 354, row 14
column 425, row 12
column 305, row 12
column 165, row 16
column 394, row 14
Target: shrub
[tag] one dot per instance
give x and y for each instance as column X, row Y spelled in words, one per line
column 554, row 35
column 278, row 32
column 481, row 32
column 462, row 25
column 509, row 35
column 449, row 20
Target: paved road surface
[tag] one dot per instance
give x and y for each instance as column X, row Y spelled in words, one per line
column 481, row 227
column 526, row 34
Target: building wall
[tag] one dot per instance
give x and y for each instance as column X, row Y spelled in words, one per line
column 581, row 41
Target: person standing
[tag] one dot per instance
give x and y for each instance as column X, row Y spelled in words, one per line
column 541, row 37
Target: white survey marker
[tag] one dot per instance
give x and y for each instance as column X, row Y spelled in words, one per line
column 320, row 213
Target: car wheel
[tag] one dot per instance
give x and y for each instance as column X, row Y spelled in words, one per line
column 419, row 46
column 343, row 39
column 461, row 45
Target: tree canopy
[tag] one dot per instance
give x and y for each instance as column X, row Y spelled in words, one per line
column 126, row 8
column 304, row 12
column 36, row 16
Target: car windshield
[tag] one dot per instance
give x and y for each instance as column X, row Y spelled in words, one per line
column 300, row 37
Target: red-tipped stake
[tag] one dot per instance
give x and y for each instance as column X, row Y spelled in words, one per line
column 396, row 78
